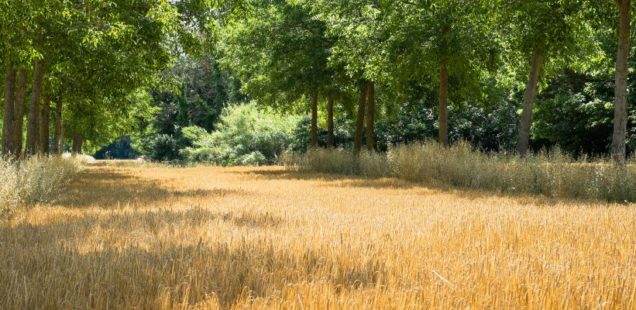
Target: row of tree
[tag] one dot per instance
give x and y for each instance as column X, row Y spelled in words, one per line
column 287, row 50
column 80, row 63
column 84, row 67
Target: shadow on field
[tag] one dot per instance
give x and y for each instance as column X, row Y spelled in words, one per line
column 108, row 188
column 45, row 261
column 339, row 181
column 133, row 224
column 169, row 275
column 357, row 181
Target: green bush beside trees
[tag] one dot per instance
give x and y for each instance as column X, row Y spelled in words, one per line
column 245, row 135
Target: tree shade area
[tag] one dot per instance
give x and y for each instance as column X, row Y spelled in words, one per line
column 120, row 79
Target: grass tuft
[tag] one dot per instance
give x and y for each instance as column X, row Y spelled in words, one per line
column 37, row 179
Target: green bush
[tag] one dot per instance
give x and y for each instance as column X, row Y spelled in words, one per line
column 552, row 174
column 245, row 136
column 163, row 148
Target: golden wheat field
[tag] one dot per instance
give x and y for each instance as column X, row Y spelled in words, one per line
column 152, row 237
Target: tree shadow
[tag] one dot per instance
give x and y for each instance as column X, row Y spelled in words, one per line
column 44, row 261
column 137, row 278
column 353, row 181
column 112, row 188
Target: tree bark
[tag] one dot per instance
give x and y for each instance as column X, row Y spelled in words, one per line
column 443, row 104
column 314, row 121
column 620, row 96
column 530, row 94
column 77, row 144
column 370, row 116
column 331, row 138
column 44, row 125
column 58, row 146
column 34, row 111
column 357, row 142
column 8, row 148
column 18, row 111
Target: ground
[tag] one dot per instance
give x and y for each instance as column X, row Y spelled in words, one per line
column 125, row 235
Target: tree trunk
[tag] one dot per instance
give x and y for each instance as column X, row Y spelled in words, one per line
column 443, row 104
column 77, row 144
column 8, row 148
column 370, row 116
column 530, row 94
column 58, row 146
column 357, row 143
column 44, row 125
column 34, row 111
column 18, row 118
column 314, row 121
column 620, row 96
column 331, row 138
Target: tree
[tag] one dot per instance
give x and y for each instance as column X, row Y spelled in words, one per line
column 438, row 42
column 19, row 108
column 354, row 27
column 279, row 52
column 7, row 133
column 544, row 32
column 620, row 101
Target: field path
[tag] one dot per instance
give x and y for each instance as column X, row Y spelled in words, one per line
column 148, row 237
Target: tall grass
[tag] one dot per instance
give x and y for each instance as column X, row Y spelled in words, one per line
column 552, row 174
column 35, row 180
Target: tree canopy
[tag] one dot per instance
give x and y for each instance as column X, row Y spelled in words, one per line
column 383, row 71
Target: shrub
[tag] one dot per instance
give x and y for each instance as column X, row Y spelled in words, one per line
column 34, row 180
column 245, row 136
column 552, row 174
column 164, row 148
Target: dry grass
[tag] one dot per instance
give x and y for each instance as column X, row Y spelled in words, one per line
column 37, row 179
column 551, row 174
column 158, row 237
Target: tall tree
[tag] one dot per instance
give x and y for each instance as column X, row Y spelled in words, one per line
column 331, row 139
column 19, row 107
column 370, row 117
column 33, row 131
column 541, row 33
column 362, row 102
column 620, row 101
column 44, row 124
column 9, row 93
column 438, row 42
column 58, row 143
column 356, row 30
column 314, row 121
column 280, row 53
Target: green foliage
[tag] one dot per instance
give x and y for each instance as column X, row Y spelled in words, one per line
column 279, row 52
column 198, row 56
column 343, row 134
column 245, row 136
column 195, row 95
column 164, row 148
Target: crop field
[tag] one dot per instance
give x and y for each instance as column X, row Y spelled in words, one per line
column 125, row 235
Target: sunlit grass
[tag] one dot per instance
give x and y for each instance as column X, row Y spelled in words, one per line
column 551, row 174
column 158, row 237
